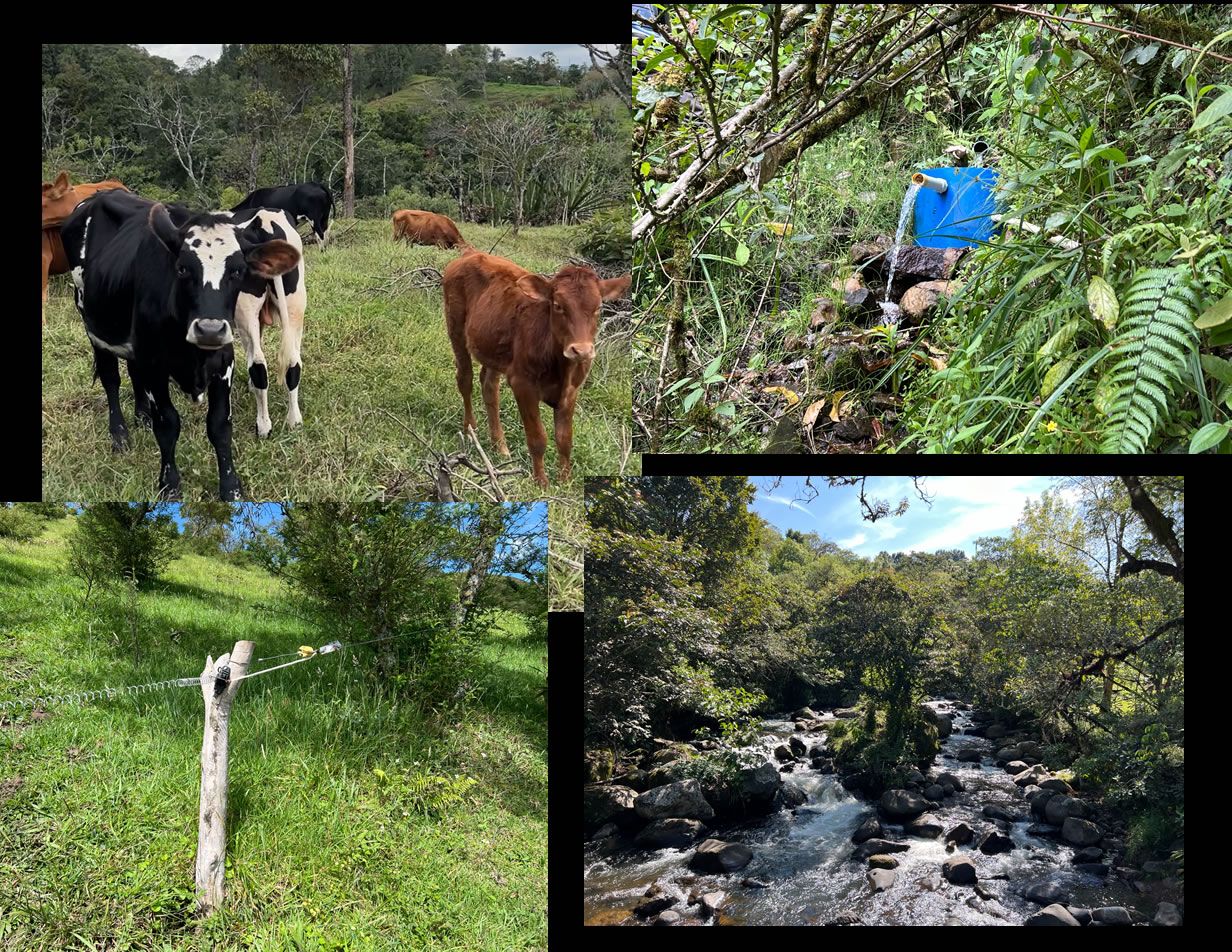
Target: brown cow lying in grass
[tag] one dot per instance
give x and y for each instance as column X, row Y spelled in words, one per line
column 539, row 332
column 59, row 200
column 427, row 228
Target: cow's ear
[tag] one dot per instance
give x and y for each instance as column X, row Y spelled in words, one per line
column 61, row 182
column 272, row 258
column 535, row 286
column 164, row 228
column 615, row 288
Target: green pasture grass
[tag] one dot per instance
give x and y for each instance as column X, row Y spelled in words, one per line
column 421, row 92
column 98, row 802
column 377, row 389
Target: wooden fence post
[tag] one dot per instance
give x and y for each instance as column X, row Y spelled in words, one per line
column 219, row 683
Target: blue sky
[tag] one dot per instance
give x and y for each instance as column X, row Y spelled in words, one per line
column 964, row 508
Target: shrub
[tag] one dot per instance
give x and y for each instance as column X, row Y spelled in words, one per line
column 230, row 197
column 113, row 541
column 18, row 524
column 399, row 197
column 606, row 237
column 45, row 510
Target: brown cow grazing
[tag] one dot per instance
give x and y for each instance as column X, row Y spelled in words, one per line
column 59, row 200
column 427, row 228
column 539, row 332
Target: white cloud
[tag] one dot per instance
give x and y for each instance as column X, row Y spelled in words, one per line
column 791, row 503
column 179, row 53
column 857, row 539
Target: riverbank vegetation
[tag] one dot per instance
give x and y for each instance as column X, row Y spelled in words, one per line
column 702, row 619
column 773, row 146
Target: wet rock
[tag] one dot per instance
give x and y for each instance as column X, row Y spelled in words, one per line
column 961, row 834
column 783, row 752
column 959, row 870
column 985, row 894
column 668, row 918
column 1029, row 792
column 953, row 921
column 654, row 906
column 805, row 713
column 608, row 829
column 948, row 779
column 789, row 796
column 1112, row 916
column 1166, row 914
column 750, row 793
column 1082, row 915
column 881, row 879
column 919, row 264
column 680, row 799
column 798, row 747
column 934, row 791
column 914, row 776
column 1017, row 767
column 993, row 842
column 902, row 804
column 1089, row 854
column 994, row 811
column 1054, row 915
column 751, row 883
column 920, row 301
column 969, row 756
column 715, row 856
column 1032, row 776
column 860, row 301
column 867, row 830
column 1079, row 832
column 1039, row 802
column 711, row 903
column 882, row 861
column 608, row 917
column 845, row 919
column 994, row 731
column 873, row 847
column 638, row 779
column 1092, row 869
column 1057, row 784
column 670, row 833
column 1057, row 808
column 608, row 802
column 1044, row 893
column 787, row 768
column 927, row 825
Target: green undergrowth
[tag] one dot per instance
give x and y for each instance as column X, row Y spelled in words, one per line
column 357, row 819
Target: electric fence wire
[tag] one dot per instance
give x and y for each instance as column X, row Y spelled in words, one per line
column 306, row 653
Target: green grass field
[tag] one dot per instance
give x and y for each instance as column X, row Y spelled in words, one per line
column 377, row 390
column 421, row 92
column 98, row 802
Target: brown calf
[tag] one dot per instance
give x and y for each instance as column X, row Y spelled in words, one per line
column 427, row 228
column 59, row 200
column 539, row 332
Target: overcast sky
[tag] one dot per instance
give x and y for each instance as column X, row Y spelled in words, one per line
column 963, row 509
column 566, row 53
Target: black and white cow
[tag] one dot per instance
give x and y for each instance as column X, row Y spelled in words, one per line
column 260, row 300
column 160, row 288
column 307, row 201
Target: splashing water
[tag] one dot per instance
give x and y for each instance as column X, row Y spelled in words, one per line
column 908, row 205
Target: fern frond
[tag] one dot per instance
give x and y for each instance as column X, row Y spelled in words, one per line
column 1156, row 338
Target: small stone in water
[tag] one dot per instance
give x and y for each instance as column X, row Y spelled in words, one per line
column 889, row 311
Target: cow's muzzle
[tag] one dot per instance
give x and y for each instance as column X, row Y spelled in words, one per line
column 209, row 334
column 580, row 350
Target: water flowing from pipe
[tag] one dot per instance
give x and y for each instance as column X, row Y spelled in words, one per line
column 908, row 205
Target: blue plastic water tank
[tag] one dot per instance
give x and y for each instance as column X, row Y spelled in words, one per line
column 959, row 218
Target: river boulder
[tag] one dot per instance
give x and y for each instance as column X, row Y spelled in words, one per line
column 1057, row 784
column 902, row 804
column 683, row 798
column 1057, row 808
column 873, row 847
column 1032, row 775
column 995, row 731
column 994, row 842
column 608, row 802
column 1039, row 802
column 1080, row 832
column 1054, row 915
column 961, row 835
column 882, row 861
column 949, row 780
column 1166, row 914
column 969, row 756
column 805, row 713
column 867, row 830
column 959, row 870
column 1112, row 916
column 788, row 796
column 994, row 811
column 783, row 752
column 716, row 856
column 749, row 793
column 672, row 833
column 927, row 826
column 881, row 879
column 652, row 907
column 1044, row 893
column 934, row 791
column 797, row 745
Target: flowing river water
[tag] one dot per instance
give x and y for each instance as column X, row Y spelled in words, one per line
column 804, row 855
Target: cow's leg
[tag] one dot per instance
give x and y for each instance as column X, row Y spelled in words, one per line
column 289, row 353
column 166, row 430
column 527, row 395
column 141, row 410
column 489, row 383
column 107, row 369
column 562, row 416
column 218, row 426
column 466, row 380
column 248, row 325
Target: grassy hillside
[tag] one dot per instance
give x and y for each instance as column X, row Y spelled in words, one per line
column 98, row 802
column 377, row 389
column 422, row 92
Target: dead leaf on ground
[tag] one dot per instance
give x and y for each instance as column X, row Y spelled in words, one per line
column 810, row 415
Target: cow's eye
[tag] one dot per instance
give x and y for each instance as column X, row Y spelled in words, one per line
column 237, row 272
column 182, row 271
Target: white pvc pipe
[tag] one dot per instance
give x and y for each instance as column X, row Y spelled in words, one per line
column 938, row 185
